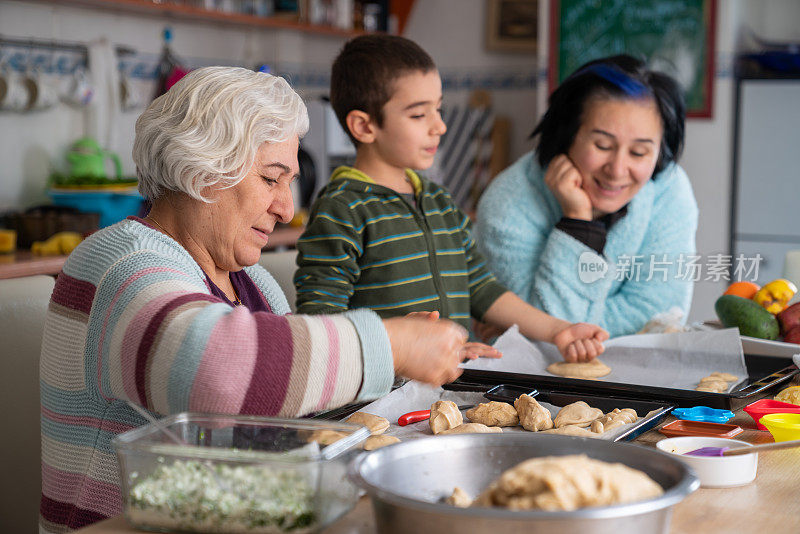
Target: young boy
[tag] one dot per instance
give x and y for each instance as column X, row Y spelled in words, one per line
column 380, row 236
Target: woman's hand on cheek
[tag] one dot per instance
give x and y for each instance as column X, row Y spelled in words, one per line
column 566, row 183
column 580, row 342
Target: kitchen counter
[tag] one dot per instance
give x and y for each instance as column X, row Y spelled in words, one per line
column 769, row 504
column 24, row 263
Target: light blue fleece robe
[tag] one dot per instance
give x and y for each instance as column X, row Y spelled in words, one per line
column 649, row 255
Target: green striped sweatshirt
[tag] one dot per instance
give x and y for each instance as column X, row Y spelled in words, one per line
column 365, row 246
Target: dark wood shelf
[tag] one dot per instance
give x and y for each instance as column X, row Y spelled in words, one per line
column 180, row 10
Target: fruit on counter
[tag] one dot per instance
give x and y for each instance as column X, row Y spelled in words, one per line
column 57, row 244
column 793, row 335
column 790, row 317
column 8, row 240
column 790, row 395
column 743, row 289
column 775, row 295
column 749, row 317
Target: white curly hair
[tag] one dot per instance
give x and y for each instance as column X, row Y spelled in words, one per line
column 205, row 131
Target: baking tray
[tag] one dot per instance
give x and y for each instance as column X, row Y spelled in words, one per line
column 763, row 372
column 651, row 412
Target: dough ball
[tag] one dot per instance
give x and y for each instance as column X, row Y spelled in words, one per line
column 459, row 498
column 613, row 419
column 494, row 414
column 592, row 369
column 375, row 423
column 727, row 377
column 444, row 416
column 567, row 483
column 326, row 437
column 472, row 428
column 578, row 413
column 712, row 380
column 376, row 442
column 572, row 430
column 532, row 415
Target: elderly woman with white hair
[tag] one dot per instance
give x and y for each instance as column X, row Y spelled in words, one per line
column 172, row 313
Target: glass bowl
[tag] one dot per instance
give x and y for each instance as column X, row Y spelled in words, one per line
column 237, row 473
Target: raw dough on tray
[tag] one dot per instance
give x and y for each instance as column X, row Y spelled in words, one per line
column 716, row 382
column 472, row 428
column 381, row 440
column 614, row 419
column 727, row 377
column 592, row 369
column 532, row 415
column 326, row 437
column 444, row 416
column 567, row 483
column 578, row 414
column 494, row 413
column 375, row 423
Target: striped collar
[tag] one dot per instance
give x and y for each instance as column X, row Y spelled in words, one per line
column 354, row 174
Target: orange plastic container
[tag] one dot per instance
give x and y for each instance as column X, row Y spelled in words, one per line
column 760, row 408
column 683, row 427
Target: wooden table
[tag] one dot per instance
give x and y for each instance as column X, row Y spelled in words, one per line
column 24, row 263
column 769, row 505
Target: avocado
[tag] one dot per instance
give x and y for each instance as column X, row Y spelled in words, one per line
column 750, row 317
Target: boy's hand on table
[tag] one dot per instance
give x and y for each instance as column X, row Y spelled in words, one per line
column 580, row 342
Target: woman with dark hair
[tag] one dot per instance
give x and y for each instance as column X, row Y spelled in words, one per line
column 598, row 223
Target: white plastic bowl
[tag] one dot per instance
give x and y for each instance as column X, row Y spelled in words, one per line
column 714, row 471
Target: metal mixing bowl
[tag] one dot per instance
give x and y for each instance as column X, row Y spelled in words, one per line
column 408, row 481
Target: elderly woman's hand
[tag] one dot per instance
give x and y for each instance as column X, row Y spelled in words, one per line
column 580, row 342
column 564, row 180
column 426, row 350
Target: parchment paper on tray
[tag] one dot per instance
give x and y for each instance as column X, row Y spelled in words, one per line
column 415, row 396
column 677, row 360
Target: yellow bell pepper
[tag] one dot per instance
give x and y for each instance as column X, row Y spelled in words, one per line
column 775, row 295
column 57, row 244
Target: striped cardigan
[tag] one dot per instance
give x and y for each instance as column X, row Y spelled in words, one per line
column 366, row 247
column 131, row 318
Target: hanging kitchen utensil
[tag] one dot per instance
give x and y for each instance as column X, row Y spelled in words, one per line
column 170, row 69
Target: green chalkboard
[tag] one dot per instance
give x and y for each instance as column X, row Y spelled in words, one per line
column 675, row 36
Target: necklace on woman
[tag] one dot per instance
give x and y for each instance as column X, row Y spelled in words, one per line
column 236, row 300
column 150, row 217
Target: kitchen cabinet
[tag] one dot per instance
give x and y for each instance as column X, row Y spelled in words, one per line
column 766, row 180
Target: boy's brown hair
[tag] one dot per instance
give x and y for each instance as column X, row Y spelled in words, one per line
column 364, row 72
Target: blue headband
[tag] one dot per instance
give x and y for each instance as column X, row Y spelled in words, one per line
column 611, row 74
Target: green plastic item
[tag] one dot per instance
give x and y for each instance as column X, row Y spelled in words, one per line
column 750, row 317
column 87, row 159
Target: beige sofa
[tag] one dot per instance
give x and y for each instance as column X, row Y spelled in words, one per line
column 23, row 303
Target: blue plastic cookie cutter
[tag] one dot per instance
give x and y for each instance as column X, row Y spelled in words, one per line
column 703, row 413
